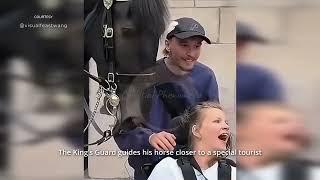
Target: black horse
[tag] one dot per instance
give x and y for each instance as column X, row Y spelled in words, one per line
column 137, row 26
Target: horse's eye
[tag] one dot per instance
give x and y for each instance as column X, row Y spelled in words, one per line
column 128, row 30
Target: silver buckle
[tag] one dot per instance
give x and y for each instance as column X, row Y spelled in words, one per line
column 108, row 3
column 108, row 32
column 110, row 77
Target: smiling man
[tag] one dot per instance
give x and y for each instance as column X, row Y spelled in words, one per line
column 183, row 45
column 181, row 76
column 181, row 83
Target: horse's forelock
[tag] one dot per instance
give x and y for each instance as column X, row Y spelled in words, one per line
column 151, row 15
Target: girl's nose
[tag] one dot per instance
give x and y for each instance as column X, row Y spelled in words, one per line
column 225, row 126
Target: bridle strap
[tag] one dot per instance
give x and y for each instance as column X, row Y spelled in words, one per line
column 93, row 122
column 106, row 135
column 108, row 42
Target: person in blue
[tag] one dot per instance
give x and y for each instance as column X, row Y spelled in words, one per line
column 254, row 83
column 182, row 82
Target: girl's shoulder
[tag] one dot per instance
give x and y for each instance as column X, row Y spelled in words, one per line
column 168, row 161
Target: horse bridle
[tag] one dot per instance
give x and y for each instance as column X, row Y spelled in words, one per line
column 108, row 85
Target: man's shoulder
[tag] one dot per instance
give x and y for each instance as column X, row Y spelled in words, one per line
column 201, row 68
column 160, row 65
column 160, row 61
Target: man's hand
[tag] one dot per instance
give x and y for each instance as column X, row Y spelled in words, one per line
column 163, row 141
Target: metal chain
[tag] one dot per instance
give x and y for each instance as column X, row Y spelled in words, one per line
column 93, row 114
column 114, row 101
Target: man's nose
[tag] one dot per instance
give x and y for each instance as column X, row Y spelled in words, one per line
column 191, row 53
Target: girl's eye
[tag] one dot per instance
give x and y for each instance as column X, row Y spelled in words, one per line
column 216, row 121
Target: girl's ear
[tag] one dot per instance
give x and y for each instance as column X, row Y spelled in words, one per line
column 195, row 131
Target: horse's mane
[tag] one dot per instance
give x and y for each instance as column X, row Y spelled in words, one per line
column 151, row 15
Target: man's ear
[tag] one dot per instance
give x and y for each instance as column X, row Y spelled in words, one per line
column 195, row 131
column 166, row 42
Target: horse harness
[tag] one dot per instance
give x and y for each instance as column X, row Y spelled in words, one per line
column 108, row 85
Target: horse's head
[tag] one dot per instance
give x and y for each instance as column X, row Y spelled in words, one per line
column 137, row 26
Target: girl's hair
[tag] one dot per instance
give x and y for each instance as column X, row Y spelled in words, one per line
column 192, row 117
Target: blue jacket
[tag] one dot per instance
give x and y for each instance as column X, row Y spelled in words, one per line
column 197, row 86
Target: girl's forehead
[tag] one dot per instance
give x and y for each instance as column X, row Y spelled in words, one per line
column 212, row 113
